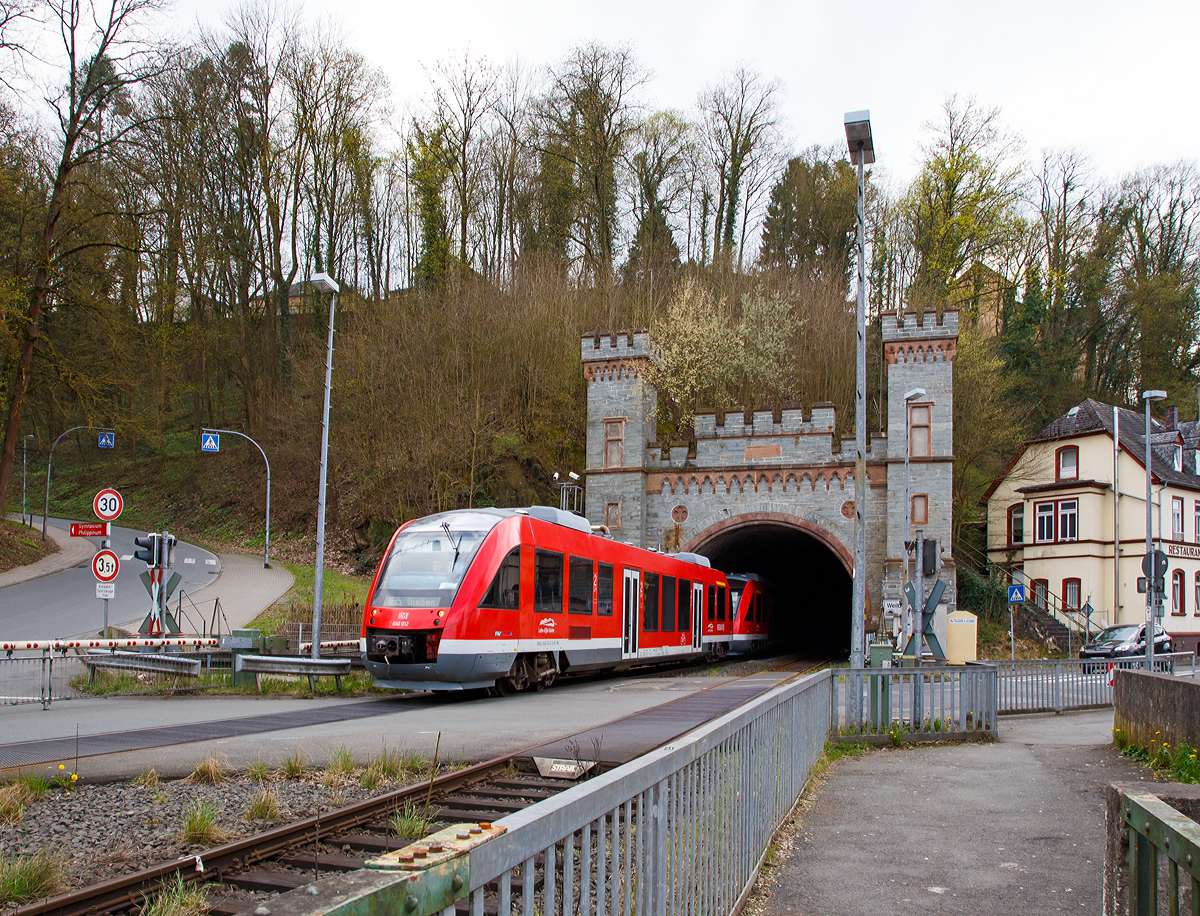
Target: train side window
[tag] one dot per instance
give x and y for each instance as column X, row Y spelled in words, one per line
column 547, row 582
column 650, row 607
column 668, row 604
column 579, row 586
column 712, row 605
column 505, row 589
column 721, row 610
column 753, row 615
column 682, row 606
column 720, row 599
column 604, row 590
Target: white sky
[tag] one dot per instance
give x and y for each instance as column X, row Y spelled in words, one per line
column 1109, row 78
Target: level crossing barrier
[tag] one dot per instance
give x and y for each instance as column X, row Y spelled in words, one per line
column 914, row 704
column 1058, row 684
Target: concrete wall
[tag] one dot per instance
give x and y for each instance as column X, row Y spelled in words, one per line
column 1156, row 708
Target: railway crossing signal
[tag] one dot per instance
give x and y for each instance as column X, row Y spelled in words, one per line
column 157, row 552
column 927, row 610
column 150, row 550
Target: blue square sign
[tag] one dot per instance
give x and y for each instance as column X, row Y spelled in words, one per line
column 107, row 440
column 1016, row 594
column 210, row 442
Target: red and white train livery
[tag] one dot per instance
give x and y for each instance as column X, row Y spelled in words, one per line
column 511, row 598
column 749, row 610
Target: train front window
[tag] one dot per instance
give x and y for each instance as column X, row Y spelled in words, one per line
column 429, row 558
column 505, row 592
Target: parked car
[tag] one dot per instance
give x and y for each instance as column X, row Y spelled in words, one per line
column 1123, row 641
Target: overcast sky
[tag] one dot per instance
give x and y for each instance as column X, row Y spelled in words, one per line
column 1115, row 80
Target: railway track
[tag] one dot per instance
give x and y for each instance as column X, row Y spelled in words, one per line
column 249, row 871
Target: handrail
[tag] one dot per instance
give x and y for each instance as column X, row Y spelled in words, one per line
column 1157, row 828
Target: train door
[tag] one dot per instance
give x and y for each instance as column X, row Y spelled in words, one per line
column 630, row 596
column 697, row 615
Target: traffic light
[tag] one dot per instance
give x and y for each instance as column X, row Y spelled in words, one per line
column 930, row 561
column 151, row 550
column 167, row 550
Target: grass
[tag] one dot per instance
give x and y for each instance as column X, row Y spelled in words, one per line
column 200, row 824
column 209, row 770
column 108, row 683
column 177, row 898
column 407, row 823
column 13, row 799
column 147, row 780
column 32, row 877
column 342, row 599
column 265, row 806
column 372, row 775
column 1180, row 763
column 295, row 764
column 258, row 771
column 341, row 761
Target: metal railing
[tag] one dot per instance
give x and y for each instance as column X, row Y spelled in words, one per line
column 1158, row 834
column 680, row 830
column 914, row 704
column 1056, row 684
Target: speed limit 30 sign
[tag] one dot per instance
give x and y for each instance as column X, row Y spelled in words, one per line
column 105, row 566
column 108, row 505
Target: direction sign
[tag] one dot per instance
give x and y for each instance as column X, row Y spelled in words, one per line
column 210, row 442
column 108, row 505
column 105, row 566
column 107, row 440
column 89, row 529
column 106, row 590
column 1016, row 594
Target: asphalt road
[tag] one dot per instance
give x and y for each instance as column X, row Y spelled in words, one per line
column 65, row 605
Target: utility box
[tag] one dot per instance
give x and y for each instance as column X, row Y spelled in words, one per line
column 881, row 655
column 242, row 642
column 962, row 642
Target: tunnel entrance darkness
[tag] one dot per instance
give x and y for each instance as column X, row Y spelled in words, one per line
column 808, row 576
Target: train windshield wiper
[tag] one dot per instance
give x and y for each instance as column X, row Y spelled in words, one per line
column 450, row 538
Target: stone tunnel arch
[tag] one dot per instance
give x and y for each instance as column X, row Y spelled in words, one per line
column 809, row 570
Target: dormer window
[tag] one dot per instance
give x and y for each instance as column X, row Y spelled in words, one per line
column 1177, row 457
column 1068, row 463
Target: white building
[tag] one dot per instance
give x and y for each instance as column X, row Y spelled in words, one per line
column 1074, row 497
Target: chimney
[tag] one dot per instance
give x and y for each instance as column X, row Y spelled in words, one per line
column 1172, row 418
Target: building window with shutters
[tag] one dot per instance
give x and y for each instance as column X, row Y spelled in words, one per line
column 920, row 442
column 614, row 443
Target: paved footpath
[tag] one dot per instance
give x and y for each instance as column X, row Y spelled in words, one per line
column 1015, row 826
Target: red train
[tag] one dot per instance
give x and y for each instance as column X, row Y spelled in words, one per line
column 750, row 611
column 511, row 598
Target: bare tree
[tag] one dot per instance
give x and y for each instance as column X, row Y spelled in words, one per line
column 104, row 52
column 740, row 117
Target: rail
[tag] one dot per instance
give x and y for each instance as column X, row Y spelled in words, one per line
column 681, row 830
column 1057, row 684
column 1157, row 829
column 914, row 704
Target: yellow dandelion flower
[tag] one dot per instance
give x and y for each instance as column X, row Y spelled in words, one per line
column 62, row 766
column 74, row 776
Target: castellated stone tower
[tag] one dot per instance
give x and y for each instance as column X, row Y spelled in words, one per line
column 777, row 486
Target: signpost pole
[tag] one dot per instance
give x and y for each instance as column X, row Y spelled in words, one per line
column 217, row 443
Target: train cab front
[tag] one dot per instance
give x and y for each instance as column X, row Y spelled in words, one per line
column 412, row 623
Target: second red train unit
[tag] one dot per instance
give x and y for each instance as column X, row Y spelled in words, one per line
column 511, row 598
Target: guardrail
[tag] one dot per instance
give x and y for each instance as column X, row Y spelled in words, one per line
column 683, row 829
column 1057, row 684
column 914, row 704
column 1156, row 828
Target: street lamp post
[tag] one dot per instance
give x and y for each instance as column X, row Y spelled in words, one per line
column 50, row 461
column 267, row 536
column 1149, row 396
column 862, row 152
column 908, row 398
column 24, row 472
column 325, row 284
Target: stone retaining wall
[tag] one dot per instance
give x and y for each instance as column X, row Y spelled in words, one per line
column 1156, row 708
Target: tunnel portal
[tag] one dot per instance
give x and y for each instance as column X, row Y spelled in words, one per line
column 810, row 582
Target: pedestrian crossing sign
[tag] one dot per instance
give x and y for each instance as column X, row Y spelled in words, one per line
column 210, row 442
column 1016, row 594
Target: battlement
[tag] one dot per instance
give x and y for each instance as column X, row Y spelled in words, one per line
column 913, row 326
column 792, row 421
column 630, row 344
